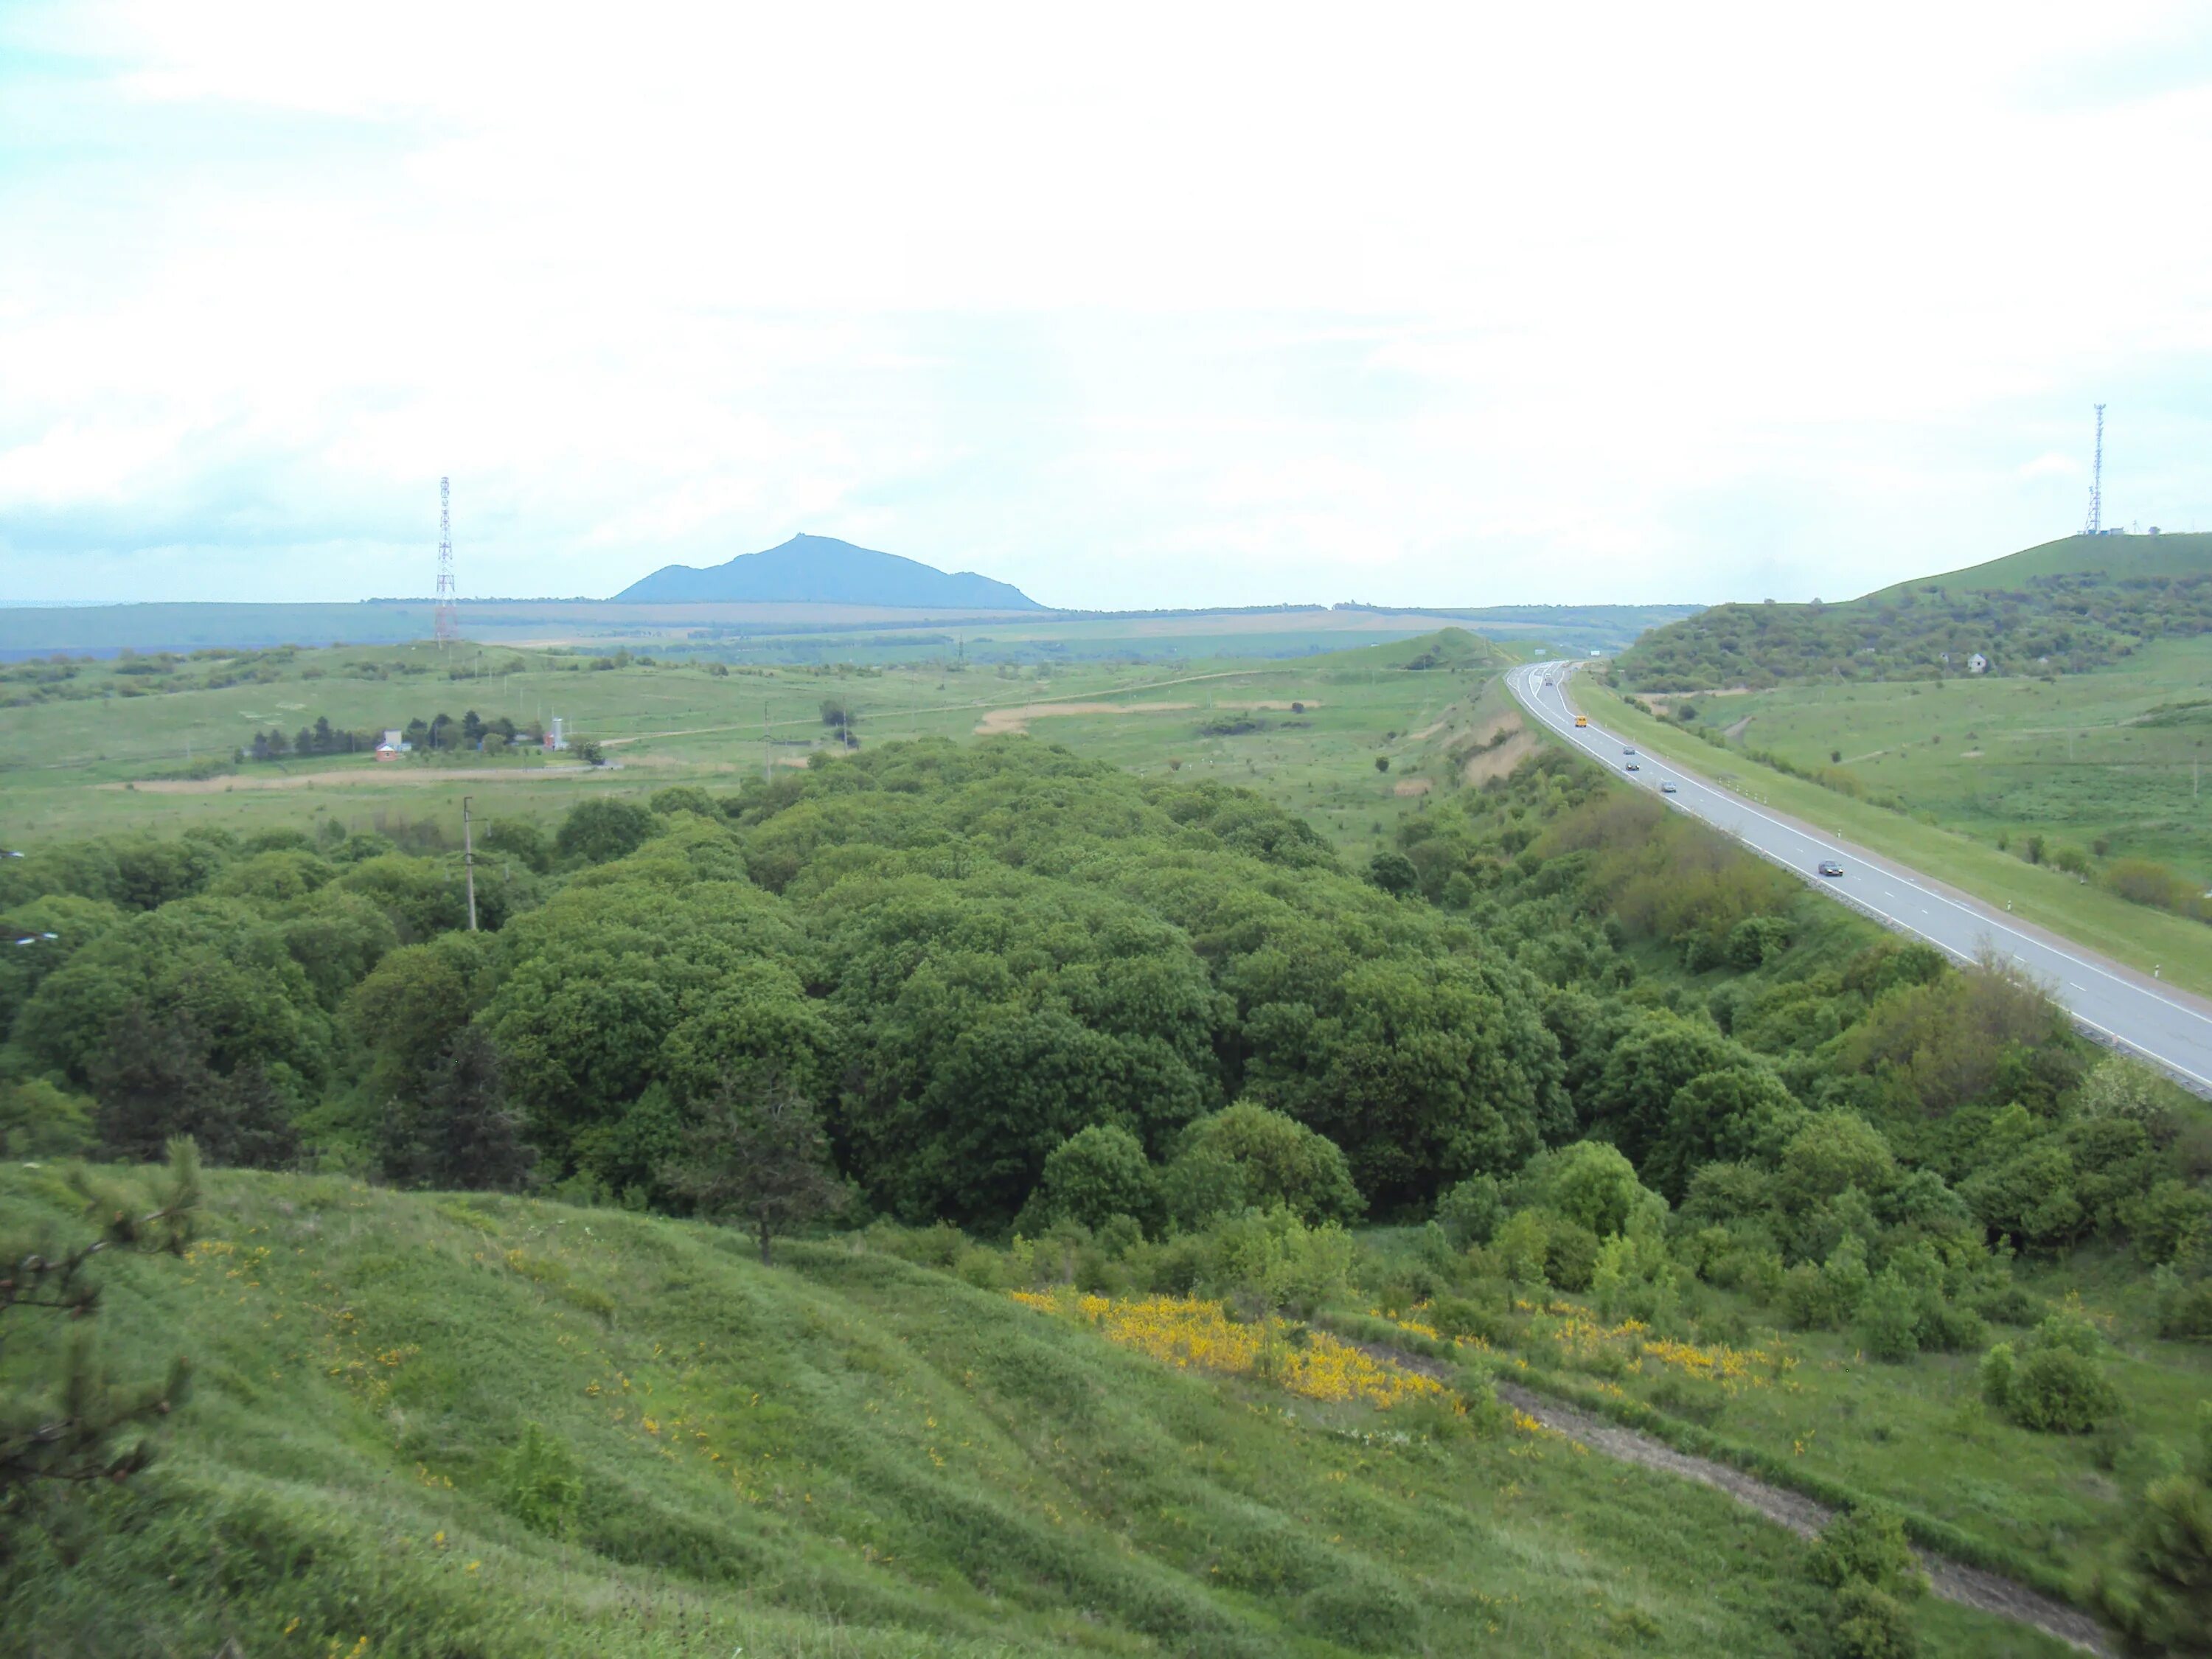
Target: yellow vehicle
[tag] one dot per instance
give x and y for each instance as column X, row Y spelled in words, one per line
column 1582, row 720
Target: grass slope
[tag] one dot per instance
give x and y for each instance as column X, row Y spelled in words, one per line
column 2122, row 558
column 848, row 1454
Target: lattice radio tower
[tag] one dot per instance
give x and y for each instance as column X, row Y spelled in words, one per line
column 2095, row 526
column 445, row 560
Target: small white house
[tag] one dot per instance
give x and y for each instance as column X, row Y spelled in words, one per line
column 1978, row 664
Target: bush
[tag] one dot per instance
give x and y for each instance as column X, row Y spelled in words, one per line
column 1282, row 1262
column 1890, row 1319
column 600, row 831
column 1277, row 1160
column 1867, row 1623
column 2052, row 1390
column 2171, row 1221
column 1867, row 1545
column 1592, row 1185
column 1754, row 940
column 2184, row 1307
column 1394, row 872
column 1095, row 1173
column 540, row 1484
column 1469, row 1213
column 1367, row 1614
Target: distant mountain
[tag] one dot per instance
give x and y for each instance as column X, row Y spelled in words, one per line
column 2064, row 607
column 823, row 570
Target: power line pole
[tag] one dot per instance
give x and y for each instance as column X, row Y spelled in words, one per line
column 469, row 861
column 2095, row 525
column 444, row 615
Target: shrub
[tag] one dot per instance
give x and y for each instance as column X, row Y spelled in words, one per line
column 600, row 832
column 2171, row 1221
column 1365, row 1613
column 1286, row 1263
column 1095, row 1173
column 1278, row 1161
column 1592, row 1185
column 1470, row 1212
column 1890, row 1319
column 1867, row 1545
column 1752, row 941
column 540, row 1484
column 1394, row 872
column 1869, row 1624
column 2184, row 1307
column 2052, row 1390
column 685, row 798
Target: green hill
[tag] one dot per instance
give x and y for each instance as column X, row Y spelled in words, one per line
column 848, row 1454
column 2122, row 558
column 2064, row 607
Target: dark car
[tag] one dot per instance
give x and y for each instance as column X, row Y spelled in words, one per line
column 1629, row 750
column 1633, row 767
column 1666, row 788
column 1829, row 868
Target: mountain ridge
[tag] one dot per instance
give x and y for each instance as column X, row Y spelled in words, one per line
column 824, row 570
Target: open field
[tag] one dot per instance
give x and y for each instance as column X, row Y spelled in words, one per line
column 810, row 633
column 2143, row 937
column 503, row 1427
column 94, row 764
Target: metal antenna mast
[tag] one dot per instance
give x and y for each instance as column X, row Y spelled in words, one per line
column 2095, row 525
column 445, row 611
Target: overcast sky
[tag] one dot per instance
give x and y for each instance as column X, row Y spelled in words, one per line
column 1133, row 305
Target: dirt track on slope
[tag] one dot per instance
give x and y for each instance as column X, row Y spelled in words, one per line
column 1953, row 1581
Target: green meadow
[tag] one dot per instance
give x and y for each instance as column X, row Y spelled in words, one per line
column 471, row 1425
column 1305, row 731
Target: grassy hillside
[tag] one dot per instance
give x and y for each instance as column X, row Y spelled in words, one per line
column 2067, row 607
column 489, row 1426
column 2126, row 558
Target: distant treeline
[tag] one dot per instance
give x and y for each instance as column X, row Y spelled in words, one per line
column 2056, row 624
column 439, row 731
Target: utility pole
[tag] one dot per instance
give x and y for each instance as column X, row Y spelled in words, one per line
column 442, row 617
column 469, row 861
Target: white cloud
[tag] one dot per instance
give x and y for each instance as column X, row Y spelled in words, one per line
column 1152, row 305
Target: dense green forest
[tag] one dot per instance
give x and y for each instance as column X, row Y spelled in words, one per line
column 1153, row 1037
column 2059, row 623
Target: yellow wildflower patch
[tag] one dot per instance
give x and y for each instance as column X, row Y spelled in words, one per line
column 1192, row 1335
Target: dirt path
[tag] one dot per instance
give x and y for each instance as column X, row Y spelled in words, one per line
column 1970, row 1587
column 1952, row 1580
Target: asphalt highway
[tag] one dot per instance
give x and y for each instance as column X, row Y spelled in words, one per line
column 2128, row 1010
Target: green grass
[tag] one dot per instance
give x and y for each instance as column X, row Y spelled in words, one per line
column 2083, row 757
column 91, row 766
column 845, row 1454
column 2121, row 557
column 2143, row 937
column 1824, row 1416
